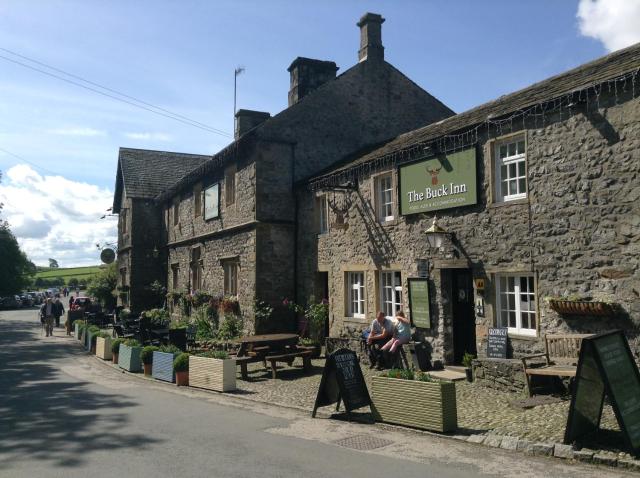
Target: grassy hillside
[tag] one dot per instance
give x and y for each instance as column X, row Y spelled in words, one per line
column 81, row 273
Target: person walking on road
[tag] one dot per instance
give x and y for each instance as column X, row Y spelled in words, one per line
column 46, row 311
column 58, row 310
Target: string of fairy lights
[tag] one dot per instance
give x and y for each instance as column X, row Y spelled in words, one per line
column 490, row 128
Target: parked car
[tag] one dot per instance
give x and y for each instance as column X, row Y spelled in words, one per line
column 36, row 296
column 10, row 302
column 26, row 300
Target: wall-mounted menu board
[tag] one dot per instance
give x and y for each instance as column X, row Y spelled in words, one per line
column 419, row 308
column 606, row 365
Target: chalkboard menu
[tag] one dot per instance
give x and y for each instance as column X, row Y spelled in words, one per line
column 342, row 379
column 419, row 309
column 606, row 365
column 497, row 342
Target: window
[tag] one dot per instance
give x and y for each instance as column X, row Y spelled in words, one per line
column 123, row 276
column 355, row 281
column 196, row 269
column 174, row 276
column 323, row 214
column 212, row 201
column 390, row 293
column 384, row 198
column 516, row 303
column 511, row 176
column 230, row 185
column 197, row 200
column 230, row 278
column 176, row 212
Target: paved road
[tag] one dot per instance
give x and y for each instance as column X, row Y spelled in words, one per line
column 64, row 414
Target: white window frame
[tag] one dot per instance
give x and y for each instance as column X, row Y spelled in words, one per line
column 231, row 270
column 390, row 292
column 212, row 211
column 516, row 160
column 518, row 304
column 356, row 294
column 323, row 214
column 384, row 197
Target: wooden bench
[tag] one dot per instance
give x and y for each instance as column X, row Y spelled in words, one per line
column 243, row 361
column 288, row 358
column 561, row 357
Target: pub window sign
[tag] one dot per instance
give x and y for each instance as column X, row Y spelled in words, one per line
column 442, row 182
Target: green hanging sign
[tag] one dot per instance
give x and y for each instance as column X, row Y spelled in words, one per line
column 442, row 182
column 419, row 307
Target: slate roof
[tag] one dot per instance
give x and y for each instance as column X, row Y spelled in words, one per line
column 593, row 73
column 146, row 173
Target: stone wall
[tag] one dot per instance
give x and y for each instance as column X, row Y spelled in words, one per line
column 507, row 375
column 577, row 231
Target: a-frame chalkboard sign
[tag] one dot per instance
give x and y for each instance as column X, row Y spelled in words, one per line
column 605, row 366
column 342, row 379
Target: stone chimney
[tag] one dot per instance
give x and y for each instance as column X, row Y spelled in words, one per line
column 307, row 75
column 248, row 119
column 371, row 37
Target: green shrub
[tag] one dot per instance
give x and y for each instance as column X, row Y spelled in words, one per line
column 309, row 342
column 94, row 329
column 158, row 318
column 170, row 349
column 179, row 324
column 181, row 362
column 230, row 328
column 147, row 354
column 115, row 346
column 317, row 315
column 262, row 313
column 206, row 322
column 425, row 377
column 467, row 358
column 401, row 373
column 216, row 354
column 132, row 343
column 104, row 335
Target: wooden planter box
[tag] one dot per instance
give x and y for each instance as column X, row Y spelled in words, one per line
column 129, row 358
column 162, row 366
column 103, row 348
column 212, row 374
column 583, row 307
column 425, row 405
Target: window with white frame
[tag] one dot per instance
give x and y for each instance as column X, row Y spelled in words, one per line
column 230, row 278
column 323, row 214
column 384, row 197
column 355, row 284
column 511, row 169
column 212, row 202
column 390, row 292
column 516, row 303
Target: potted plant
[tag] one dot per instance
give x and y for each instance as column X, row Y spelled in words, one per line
column 416, row 401
column 103, row 346
column 311, row 344
column 115, row 349
column 146, row 357
column 79, row 326
column 163, row 359
column 467, row 360
column 212, row 370
column 90, row 336
column 129, row 355
column 583, row 306
column 181, row 368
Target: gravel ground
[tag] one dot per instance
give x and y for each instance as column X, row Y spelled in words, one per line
column 480, row 410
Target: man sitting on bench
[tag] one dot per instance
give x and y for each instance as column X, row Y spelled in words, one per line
column 381, row 333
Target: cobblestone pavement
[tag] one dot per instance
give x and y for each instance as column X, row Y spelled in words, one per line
column 481, row 410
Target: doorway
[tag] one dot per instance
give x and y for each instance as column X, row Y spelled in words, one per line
column 464, row 320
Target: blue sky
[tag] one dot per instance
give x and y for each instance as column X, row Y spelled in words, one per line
column 181, row 56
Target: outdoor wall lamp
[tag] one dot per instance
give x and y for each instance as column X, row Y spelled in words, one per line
column 155, row 252
column 436, row 234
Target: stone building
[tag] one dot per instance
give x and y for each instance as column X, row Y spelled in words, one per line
column 231, row 222
column 537, row 195
column 141, row 258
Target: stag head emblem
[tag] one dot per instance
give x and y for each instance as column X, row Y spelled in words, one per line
column 434, row 175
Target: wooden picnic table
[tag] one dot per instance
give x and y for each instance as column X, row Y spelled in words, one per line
column 270, row 342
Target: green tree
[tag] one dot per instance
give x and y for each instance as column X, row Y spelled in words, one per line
column 103, row 284
column 53, row 264
column 15, row 269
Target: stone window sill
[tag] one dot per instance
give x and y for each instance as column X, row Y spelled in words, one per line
column 531, row 338
column 509, row 203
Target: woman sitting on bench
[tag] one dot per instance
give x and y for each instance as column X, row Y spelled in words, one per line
column 401, row 336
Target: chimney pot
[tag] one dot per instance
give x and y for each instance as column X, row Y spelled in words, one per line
column 248, row 119
column 306, row 75
column 371, row 37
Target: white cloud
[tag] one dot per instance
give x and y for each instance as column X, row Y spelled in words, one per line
column 149, row 136
column 616, row 23
column 55, row 217
column 77, row 132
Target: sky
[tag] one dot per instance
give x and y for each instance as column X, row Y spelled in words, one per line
column 59, row 141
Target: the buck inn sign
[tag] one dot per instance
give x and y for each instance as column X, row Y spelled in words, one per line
column 441, row 182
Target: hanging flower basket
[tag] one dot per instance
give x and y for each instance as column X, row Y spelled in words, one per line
column 583, row 307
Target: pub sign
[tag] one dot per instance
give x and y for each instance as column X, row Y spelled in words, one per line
column 442, row 182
